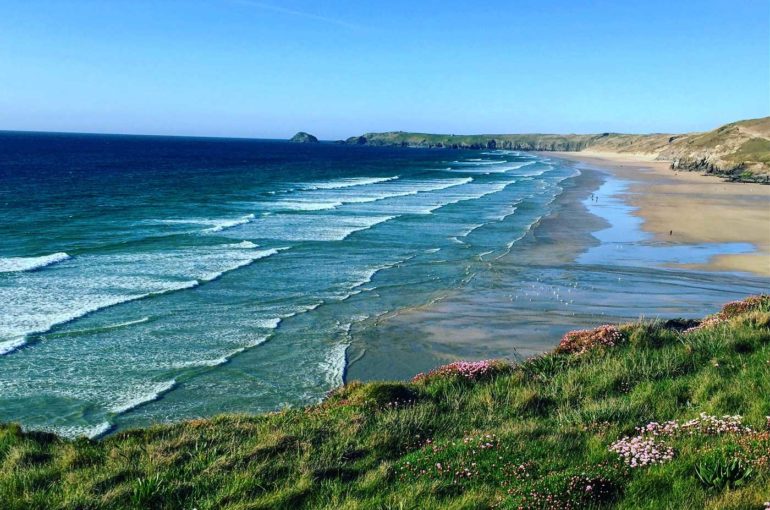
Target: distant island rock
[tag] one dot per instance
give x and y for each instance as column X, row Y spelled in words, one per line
column 303, row 137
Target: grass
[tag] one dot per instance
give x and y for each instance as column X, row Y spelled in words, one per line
column 739, row 151
column 491, row 141
column 536, row 435
column 755, row 150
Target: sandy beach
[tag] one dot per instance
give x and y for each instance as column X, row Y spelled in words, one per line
column 690, row 208
column 567, row 273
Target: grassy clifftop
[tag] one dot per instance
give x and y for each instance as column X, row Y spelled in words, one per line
column 539, row 142
column 640, row 415
column 740, row 149
column 737, row 151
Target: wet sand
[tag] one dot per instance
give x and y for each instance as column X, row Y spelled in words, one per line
column 571, row 270
column 689, row 208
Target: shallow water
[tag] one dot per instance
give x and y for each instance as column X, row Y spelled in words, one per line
column 148, row 279
column 585, row 263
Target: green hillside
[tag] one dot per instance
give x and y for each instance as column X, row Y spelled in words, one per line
column 737, row 151
column 537, row 142
column 645, row 415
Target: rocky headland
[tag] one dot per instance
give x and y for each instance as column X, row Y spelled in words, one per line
column 739, row 151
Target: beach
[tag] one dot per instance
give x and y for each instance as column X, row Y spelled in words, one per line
column 585, row 263
column 688, row 208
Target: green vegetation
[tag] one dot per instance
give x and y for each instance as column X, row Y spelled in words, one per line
column 756, row 150
column 512, row 142
column 641, row 415
column 739, row 151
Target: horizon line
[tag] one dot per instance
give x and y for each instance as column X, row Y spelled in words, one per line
column 242, row 137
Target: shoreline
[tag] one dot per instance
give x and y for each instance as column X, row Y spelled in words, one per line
column 467, row 322
column 687, row 208
column 568, row 272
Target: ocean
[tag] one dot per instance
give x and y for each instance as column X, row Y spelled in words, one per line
column 151, row 279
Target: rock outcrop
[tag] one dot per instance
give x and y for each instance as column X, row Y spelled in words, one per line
column 303, row 137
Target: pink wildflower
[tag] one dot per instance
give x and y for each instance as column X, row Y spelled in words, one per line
column 580, row 341
column 472, row 370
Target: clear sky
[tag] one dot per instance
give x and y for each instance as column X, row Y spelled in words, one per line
column 270, row 68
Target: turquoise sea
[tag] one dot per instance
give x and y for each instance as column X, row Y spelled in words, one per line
column 147, row 279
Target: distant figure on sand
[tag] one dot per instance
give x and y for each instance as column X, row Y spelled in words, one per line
column 670, row 232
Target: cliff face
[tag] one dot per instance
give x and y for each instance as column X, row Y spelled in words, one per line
column 533, row 142
column 737, row 151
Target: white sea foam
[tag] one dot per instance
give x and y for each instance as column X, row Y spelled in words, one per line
column 479, row 191
column 529, row 175
column 350, row 294
column 245, row 245
column 476, row 162
column 39, row 303
column 463, row 189
column 106, row 327
column 471, row 229
column 214, row 224
column 147, row 393
column 304, row 205
column 217, row 361
column 77, row 431
column 366, row 275
column 252, row 343
column 11, row 345
column 525, row 163
column 334, row 364
column 487, row 169
column 503, row 216
column 315, row 227
column 255, row 255
column 127, row 323
column 303, row 309
column 29, row 323
column 202, row 363
column 501, row 152
column 319, row 201
column 418, row 188
column 268, row 323
column 221, row 225
column 310, row 308
column 509, row 244
column 347, row 183
column 17, row 264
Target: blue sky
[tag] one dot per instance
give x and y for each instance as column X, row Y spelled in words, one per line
column 339, row 68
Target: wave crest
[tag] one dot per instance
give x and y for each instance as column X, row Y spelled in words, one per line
column 18, row 264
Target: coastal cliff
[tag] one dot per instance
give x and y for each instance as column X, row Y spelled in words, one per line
column 738, row 151
column 526, row 142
